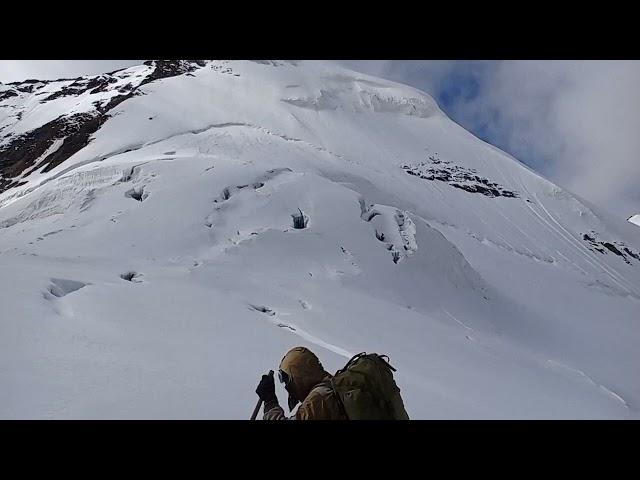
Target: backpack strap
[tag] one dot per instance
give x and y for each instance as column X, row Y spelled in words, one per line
column 362, row 354
column 329, row 384
column 382, row 357
column 353, row 359
column 335, row 394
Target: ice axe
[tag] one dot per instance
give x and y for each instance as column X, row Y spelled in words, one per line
column 259, row 404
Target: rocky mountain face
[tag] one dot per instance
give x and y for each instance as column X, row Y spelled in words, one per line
column 93, row 98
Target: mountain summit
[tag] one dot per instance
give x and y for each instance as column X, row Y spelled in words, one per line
column 169, row 230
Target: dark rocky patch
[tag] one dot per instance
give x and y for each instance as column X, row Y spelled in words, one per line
column 80, row 85
column 100, row 84
column 25, row 84
column 28, row 86
column 635, row 255
column 7, row 184
column 466, row 179
column 8, row 94
column 28, row 80
column 612, row 248
column 171, row 68
column 603, row 247
column 21, row 152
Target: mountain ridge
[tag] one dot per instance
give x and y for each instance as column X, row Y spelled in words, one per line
column 168, row 242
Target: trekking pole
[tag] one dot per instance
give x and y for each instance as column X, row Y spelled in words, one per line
column 259, row 404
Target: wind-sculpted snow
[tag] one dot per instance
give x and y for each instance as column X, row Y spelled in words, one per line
column 70, row 193
column 366, row 101
column 208, row 226
column 393, row 228
column 360, row 95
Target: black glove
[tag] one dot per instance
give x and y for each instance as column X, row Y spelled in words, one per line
column 267, row 389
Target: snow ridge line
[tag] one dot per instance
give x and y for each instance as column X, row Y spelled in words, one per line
column 594, row 263
column 509, row 248
column 273, row 318
column 253, row 126
column 590, row 380
column 618, row 279
column 621, row 281
column 586, row 251
column 10, row 199
column 459, row 322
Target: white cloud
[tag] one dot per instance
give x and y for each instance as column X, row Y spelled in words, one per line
column 578, row 122
column 581, row 117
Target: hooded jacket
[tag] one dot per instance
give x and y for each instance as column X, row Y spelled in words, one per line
column 310, row 384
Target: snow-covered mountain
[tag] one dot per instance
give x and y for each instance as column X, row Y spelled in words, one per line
column 150, row 267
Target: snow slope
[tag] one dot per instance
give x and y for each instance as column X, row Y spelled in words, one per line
column 156, row 273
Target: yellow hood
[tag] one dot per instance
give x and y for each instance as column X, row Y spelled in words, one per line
column 304, row 370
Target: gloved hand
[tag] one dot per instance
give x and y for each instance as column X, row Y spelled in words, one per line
column 267, row 389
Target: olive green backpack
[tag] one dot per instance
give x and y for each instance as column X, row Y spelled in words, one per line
column 367, row 390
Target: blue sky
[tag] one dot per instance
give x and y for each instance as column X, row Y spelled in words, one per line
column 576, row 122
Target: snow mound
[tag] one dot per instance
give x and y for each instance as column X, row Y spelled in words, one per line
column 361, row 96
